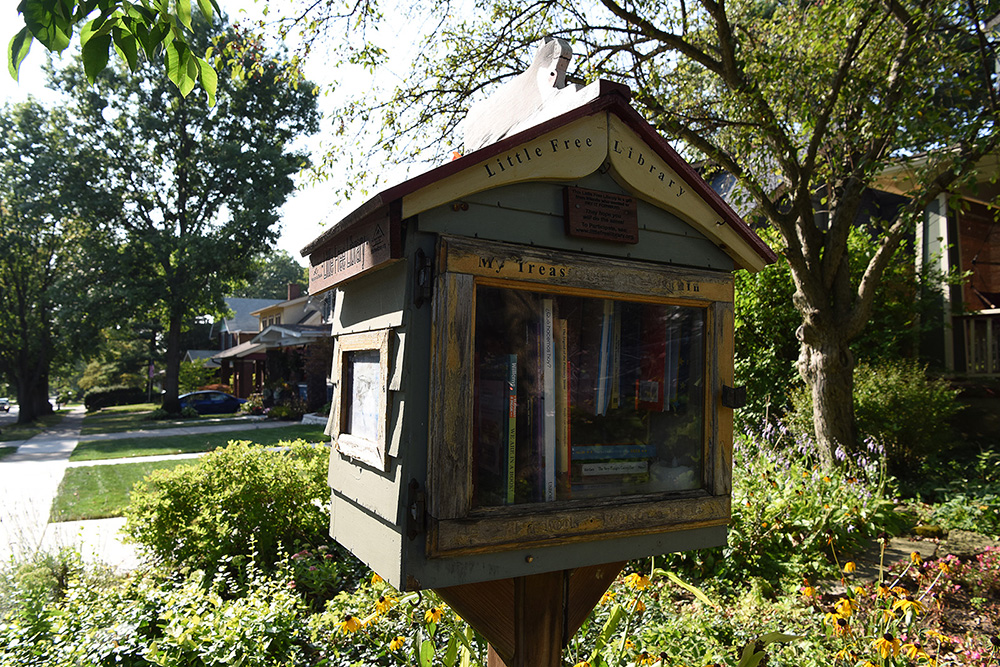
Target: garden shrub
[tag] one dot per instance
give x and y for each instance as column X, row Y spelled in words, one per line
column 103, row 397
column 150, row 619
column 900, row 407
column 788, row 515
column 234, row 501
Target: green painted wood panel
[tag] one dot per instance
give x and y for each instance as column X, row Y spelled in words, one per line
column 532, row 214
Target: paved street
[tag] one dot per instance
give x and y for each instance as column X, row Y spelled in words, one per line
column 29, row 480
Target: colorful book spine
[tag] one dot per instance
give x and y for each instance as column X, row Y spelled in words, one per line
column 511, row 435
column 548, row 353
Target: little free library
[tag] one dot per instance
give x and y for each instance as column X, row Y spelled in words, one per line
column 533, row 361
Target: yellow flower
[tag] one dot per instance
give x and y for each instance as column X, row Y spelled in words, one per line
column 934, row 634
column 849, row 567
column 847, row 656
column 915, row 558
column 887, row 645
column 582, row 664
column 914, row 652
column 639, row 606
column 859, row 591
column 397, row 643
column 608, row 596
column 888, row 615
column 385, row 603
column 637, row 581
column 943, row 566
column 842, row 627
column 883, row 592
column 908, row 605
column 349, row 624
column 844, row 607
column 808, row 591
column 433, row 615
column 645, row 659
column 376, row 579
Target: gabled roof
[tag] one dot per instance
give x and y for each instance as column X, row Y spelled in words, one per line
column 243, row 318
column 603, row 129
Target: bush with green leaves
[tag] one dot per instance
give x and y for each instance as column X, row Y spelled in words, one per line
column 788, row 515
column 907, row 304
column 233, row 502
column 898, row 405
column 103, row 397
column 151, row 619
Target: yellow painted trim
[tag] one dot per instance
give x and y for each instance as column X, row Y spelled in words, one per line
column 568, row 153
column 640, row 170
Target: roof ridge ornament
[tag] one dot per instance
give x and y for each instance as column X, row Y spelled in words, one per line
column 533, row 96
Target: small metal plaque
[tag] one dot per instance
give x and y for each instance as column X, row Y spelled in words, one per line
column 608, row 216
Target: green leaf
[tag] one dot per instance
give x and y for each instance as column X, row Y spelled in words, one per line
column 17, row 50
column 184, row 12
column 209, row 79
column 694, row 590
column 772, row 637
column 451, row 653
column 51, row 28
column 206, row 8
column 95, row 55
column 178, row 61
column 426, row 653
column 614, row 618
column 127, row 46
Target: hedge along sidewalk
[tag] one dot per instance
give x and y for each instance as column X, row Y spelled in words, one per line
column 193, row 439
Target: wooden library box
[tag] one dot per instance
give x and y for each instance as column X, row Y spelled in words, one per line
column 533, row 361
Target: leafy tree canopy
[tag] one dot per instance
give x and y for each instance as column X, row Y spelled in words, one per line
column 198, row 188
column 275, row 270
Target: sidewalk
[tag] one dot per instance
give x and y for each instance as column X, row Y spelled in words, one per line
column 30, row 478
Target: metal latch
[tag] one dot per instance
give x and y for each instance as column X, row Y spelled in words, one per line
column 734, row 397
column 422, row 274
column 414, row 510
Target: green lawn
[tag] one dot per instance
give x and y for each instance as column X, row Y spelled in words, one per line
column 6, row 451
column 25, row 431
column 101, row 491
column 121, row 418
column 91, row 450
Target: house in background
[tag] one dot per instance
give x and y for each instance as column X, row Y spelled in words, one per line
column 241, row 359
column 960, row 231
column 282, row 349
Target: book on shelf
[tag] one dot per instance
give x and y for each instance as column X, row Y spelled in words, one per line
column 492, row 425
column 606, row 358
column 609, row 452
column 511, row 436
column 652, row 369
column 562, row 404
column 549, row 372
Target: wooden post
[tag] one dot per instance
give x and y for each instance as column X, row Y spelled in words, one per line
column 528, row 620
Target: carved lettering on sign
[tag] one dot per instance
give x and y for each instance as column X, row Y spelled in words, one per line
column 526, row 154
column 601, row 215
column 346, row 255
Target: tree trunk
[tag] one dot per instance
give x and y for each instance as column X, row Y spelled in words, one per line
column 171, row 379
column 827, row 366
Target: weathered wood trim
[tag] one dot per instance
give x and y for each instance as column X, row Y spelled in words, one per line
column 449, row 475
column 549, row 526
column 372, row 453
column 599, row 275
column 724, row 451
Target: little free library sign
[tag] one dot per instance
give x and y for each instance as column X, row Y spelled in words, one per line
column 352, row 251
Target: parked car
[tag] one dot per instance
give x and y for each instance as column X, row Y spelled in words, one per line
column 211, row 402
column 5, row 404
